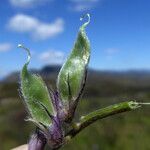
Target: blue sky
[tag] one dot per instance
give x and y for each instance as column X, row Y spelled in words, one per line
column 119, row 32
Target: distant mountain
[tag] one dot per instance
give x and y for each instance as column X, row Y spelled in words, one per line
column 96, row 77
column 99, row 83
column 50, row 69
column 50, row 72
column 47, row 72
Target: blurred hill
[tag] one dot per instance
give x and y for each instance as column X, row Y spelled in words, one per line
column 103, row 88
column 51, row 71
column 47, row 72
column 99, row 83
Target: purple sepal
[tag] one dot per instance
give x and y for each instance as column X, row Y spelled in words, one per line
column 55, row 135
column 62, row 113
column 37, row 141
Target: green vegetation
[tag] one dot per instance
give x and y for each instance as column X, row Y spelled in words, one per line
column 125, row 131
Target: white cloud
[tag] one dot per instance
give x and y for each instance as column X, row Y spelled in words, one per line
column 110, row 52
column 52, row 57
column 5, row 47
column 83, row 5
column 37, row 29
column 27, row 3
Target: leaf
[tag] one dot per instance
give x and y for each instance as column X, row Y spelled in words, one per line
column 71, row 76
column 36, row 96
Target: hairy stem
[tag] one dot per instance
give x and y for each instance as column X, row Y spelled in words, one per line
column 100, row 114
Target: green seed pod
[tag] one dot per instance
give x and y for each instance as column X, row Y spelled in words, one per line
column 72, row 74
column 36, row 96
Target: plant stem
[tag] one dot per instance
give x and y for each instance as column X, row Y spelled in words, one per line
column 37, row 142
column 102, row 113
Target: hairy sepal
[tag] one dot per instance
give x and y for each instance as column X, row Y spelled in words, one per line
column 71, row 77
column 36, row 97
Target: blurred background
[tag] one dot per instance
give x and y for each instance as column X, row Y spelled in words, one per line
column 119, row 68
